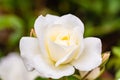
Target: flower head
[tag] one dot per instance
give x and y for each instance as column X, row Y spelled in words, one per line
column 59, row 47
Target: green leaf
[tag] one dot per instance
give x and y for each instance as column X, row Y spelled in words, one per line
column 117, row 76
column 114, row 63
column 113, row 6
column 72, row 78
column 39, row 78
column 1, row 54
column 15, row 23
column 116, row 51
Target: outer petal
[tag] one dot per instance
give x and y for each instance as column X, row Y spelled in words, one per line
column 32, row 57
column 72, row 21
column 12, row 68
column 91, row 56
column 41, row 25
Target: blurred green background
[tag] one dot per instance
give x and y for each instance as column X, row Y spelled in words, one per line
column 100, row 17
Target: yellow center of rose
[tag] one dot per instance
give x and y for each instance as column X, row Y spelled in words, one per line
column 63, row 39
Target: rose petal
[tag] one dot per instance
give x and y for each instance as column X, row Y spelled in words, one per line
column 77, row 38
column 40, row 26
column 91, row 56
column 70, row 54
column 12, row 68
column 50, row 71
column 56, row 51
column 32, row 57
column 72, row 21
column 54, row 30
column 28, row 48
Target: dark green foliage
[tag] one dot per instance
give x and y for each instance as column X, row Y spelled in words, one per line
column 39, row 78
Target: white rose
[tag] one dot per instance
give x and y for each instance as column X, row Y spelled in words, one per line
column 59, row 47
column 12, row 68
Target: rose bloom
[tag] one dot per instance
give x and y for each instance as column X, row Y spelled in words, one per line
column 59, row 47
column 12, row 68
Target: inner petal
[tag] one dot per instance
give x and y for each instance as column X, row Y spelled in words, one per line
column 62, row 44
column 70, row 55
column 63, row 36
column 54, row 30
column 63, row 39
column 56, row 51
column 61, row 54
